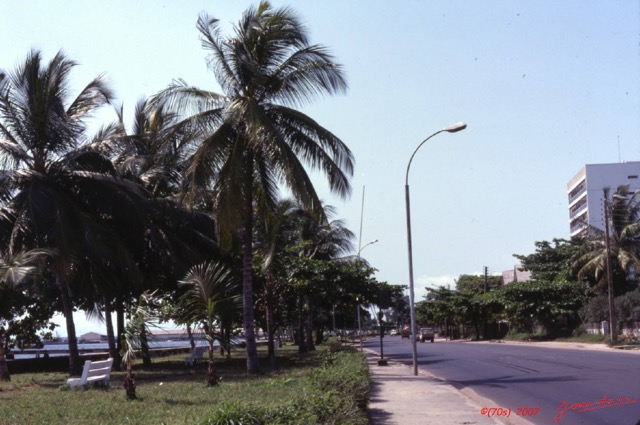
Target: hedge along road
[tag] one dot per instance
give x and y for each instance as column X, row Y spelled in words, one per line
column 555, row 385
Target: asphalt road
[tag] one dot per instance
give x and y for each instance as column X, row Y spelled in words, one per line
column 591, row 387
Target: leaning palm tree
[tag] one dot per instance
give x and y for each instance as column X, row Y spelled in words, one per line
column 211, row 292
column 254, row 140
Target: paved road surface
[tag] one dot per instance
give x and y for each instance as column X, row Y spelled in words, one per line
column 533, row 377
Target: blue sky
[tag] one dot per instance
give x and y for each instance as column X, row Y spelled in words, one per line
column 545, row 87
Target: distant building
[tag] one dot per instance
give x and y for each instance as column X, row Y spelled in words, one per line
column 91, row 338
column 586, row 192
column 515, row 275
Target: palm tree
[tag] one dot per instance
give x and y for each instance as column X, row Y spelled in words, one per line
column 211, row 294
column 624, row 244
column 254, row 141
column 43, row 166
column 141, row 318
column 151, row 154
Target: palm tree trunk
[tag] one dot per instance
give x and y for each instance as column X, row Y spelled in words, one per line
column 271, row 350
column 130, row 381
column 309, row 327
column 75, row 368
column 113, row 352
column 4, row 370
column 119, row 321
column 144, row 347
column 212, row 378
column 192, row 343
column 302, row 347
column 247, row 276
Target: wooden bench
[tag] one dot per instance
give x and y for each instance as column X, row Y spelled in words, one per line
column 196, row 354
column 96, row 371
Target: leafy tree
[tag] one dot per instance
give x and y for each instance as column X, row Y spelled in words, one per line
column 595, row 310
column 475, row 284
column 254, row 140
column 628, row 306
column 547, row 303
column 551, row 260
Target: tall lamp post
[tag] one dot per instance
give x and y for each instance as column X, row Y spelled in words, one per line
column 358, row 304
column 452, row 129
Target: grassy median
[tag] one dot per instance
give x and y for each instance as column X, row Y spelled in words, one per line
column 322, row 387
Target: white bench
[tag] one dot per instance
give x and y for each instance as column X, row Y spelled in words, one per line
column 196, row 354
column 99, row 371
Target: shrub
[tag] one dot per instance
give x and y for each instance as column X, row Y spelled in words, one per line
column 337, row 393
column 236, row 414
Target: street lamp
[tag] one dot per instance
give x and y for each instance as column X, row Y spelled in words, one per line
column 366, row 245
column 358, row 304
column 452, row 129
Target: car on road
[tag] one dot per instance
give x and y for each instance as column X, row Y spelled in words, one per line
column 427, row 334
column 406, row 332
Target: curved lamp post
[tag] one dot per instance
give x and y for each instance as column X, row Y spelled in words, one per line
column 452, row 129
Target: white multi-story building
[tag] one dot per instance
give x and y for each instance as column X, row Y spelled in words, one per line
column 586, row 192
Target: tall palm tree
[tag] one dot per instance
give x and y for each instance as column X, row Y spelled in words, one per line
column 211, row 294
column 41, row 128
column 624, row 244
column 254, row 140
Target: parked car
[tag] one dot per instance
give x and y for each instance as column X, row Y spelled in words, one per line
column 427, row 334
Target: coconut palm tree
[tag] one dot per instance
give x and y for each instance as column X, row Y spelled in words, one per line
column 151, row 153
column 254, row 140
column 42, row 130
column 211, row 293
column 624, row 243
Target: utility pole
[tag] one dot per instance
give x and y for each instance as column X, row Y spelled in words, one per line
column 613, row 328
column 486, row 278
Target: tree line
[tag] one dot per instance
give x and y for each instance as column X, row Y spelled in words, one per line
column 185, row 203
column 569, row 286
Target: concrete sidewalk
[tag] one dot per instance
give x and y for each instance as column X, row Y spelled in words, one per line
column 400, row 398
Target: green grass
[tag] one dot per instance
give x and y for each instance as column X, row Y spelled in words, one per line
column 169, row 393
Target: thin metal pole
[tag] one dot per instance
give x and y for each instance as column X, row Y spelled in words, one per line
column 414, row 352
column 452, row 129
column 613, row 328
